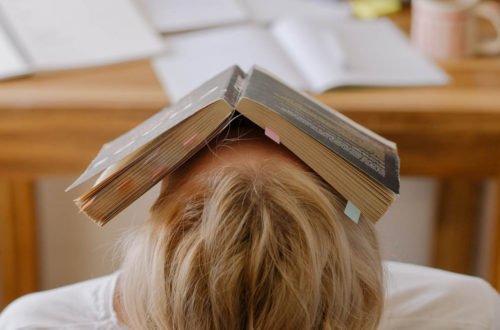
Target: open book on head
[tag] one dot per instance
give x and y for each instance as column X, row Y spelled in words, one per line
column 361, row 165
column 65, row 34
column 312, row 55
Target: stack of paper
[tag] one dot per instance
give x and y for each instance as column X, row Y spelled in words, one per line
column 38, row 35
column 11, row 61
column 174, row 16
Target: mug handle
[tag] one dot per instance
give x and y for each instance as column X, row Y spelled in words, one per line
column 490, row 11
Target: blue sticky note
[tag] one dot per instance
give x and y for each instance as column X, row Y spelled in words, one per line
column 352, row 212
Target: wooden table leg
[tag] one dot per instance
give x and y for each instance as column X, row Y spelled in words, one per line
column 456, row 226
column 494, row 276
column 18, row 252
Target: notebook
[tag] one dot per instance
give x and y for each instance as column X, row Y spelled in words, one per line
column 44, row 35
column 310, row 55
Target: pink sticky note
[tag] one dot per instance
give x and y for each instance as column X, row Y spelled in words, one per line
column 272, row 135
column 190, row 140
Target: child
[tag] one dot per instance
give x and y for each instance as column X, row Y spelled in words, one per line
column 246, row 236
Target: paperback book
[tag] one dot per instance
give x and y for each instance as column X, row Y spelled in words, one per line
column 360, row 165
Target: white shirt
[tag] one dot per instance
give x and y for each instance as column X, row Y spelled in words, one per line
column 416, row 298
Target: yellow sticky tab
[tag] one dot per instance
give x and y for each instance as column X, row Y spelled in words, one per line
column 368, row 9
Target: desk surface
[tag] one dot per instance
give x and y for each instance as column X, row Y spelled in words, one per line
column 55, row 123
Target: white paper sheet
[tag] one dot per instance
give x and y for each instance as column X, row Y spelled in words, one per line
column 11, row 62
column 195, row 57
column 314, row 55
column 377, row 54
column 182, row 15
column 316, row 51
column 270, row 10
column 63, row 34
column 174, row 15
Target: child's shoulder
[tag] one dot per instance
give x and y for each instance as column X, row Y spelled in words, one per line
column 74, row 304
column 429, row 298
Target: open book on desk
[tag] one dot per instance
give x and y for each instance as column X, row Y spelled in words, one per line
column 309, row 55
column 40, row 35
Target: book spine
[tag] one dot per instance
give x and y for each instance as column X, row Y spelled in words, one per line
column 234, row 87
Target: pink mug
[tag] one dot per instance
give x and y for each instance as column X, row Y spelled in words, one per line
column 448, row 28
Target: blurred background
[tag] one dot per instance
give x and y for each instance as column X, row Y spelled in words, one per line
column 76, row 74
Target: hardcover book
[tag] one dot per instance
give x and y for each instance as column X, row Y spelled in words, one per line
column 360, row 165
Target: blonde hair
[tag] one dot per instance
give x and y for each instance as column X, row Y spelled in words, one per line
column 261, row 246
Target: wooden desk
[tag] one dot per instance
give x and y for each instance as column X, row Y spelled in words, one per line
column 54, row 124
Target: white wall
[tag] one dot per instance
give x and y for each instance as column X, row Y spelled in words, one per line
column 72, row 248
column 406, row 230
